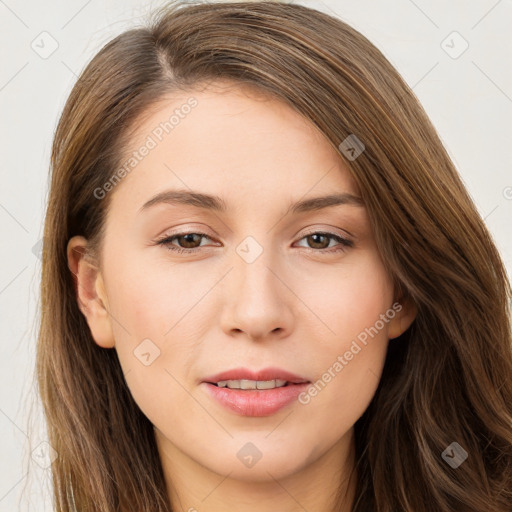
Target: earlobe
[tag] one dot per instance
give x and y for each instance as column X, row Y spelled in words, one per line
column 402, row 319
column 90, row 292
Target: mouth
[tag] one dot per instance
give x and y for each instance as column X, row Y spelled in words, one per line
column 249, row 393
column 243, row 378
column 246, row 384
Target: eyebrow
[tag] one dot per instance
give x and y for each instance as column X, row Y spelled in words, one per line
column 216, row 203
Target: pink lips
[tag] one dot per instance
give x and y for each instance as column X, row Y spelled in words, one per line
column 256, row 402
column 265, row 374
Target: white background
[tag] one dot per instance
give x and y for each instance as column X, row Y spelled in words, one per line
column 468, row 99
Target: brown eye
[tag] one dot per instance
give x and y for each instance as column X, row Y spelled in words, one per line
column 320, row 242
column 189, row 240
column 316, row 241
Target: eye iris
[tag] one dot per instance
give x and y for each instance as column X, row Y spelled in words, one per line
column 188, row 238
column 316, row 236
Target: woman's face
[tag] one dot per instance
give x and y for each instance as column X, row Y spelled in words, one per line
column 258, row 292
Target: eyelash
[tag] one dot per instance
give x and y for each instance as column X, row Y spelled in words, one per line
column 344, row 243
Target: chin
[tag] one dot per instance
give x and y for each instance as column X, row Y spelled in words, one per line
column 260, row 462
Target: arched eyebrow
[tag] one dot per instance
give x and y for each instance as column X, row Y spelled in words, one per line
column 217, row 204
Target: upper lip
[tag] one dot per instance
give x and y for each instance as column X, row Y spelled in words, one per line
column 261, row 375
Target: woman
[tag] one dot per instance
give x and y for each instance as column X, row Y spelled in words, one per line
column 264, row 284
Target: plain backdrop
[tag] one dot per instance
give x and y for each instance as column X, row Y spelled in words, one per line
column 455, row 55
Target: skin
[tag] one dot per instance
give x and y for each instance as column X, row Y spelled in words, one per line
column 297, row 306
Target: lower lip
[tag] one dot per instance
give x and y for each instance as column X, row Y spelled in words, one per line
column 254, row 402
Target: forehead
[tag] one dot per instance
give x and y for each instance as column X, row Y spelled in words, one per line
column 227, row 139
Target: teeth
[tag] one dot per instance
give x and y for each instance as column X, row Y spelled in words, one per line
column 248, row 384
column 251, row 384
column 269, row 384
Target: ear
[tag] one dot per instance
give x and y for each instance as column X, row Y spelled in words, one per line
column 90, row 292
column 405, row 313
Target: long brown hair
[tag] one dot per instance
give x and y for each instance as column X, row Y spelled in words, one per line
column 446, row 379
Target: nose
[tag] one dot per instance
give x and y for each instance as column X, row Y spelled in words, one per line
column 258, row 302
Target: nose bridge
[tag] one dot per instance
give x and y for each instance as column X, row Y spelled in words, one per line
column 257, row 301
column 253, row 262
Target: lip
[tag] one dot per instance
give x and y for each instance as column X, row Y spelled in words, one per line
column 264, row 374
column 255, row 402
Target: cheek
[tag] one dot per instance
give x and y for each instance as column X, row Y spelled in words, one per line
column 155, row 300
column 156, row 329
column 349, row 356
column 348, row 299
